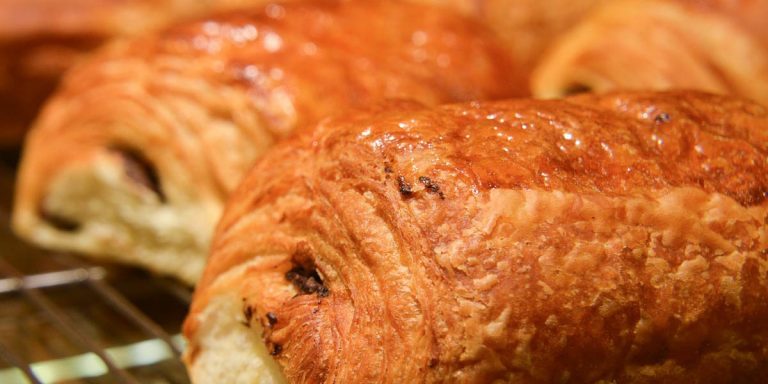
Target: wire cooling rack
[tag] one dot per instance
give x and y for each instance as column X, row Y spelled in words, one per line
column 64, row 319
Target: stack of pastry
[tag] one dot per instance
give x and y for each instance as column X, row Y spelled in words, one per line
column 134, row 156
column 371, row 233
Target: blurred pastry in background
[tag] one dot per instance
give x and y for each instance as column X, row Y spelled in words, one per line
column 526, row 27
column 41, row 39
column 712, row 45
column 133, row 157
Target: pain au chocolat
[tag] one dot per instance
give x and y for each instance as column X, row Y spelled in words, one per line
column 614, row 239
column 134, row 156
column 710, row 45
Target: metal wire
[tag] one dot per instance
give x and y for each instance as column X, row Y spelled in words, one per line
column 72, row 271
column 125, row 307
column 51, row 279
column 7, row 355
column 62, row 322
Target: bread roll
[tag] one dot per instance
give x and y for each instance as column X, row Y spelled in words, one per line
column 617, row 238
column 712, row 45
column 40, row 39
column 133, row 157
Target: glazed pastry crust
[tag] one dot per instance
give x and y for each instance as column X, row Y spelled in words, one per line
column 710, row 45
column 615, row 238
column 137, row 151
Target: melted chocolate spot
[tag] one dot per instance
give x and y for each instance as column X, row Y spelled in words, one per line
column 271, row 319
column 291, row 275
column 431, row 186
column 307, row 281
column 662, row 118
column 141, row 171
column 576, row 88
column 311, row 285
column 59, row 222
column 276, row 349
column 248, row 312
column 405, row 189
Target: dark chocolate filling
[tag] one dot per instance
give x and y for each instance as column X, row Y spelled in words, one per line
column 271, row 319
column 140, row 171
column 576, row 88
column 662, row 118
column 59, row 222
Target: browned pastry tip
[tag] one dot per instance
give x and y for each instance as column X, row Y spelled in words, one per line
column 615, row 238
column 144, row 141
column 710, row 45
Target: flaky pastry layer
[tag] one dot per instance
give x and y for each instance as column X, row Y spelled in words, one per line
column 617, row 238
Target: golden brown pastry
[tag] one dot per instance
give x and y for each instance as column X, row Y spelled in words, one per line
column 526, row 27
column 40, row 39
column 713, row 45
column 617, row 238
column 134, row 156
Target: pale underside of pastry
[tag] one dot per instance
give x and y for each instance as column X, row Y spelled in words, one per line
column 231, row 349
column 616, row 238
column 134, row 156
column 712, row 46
